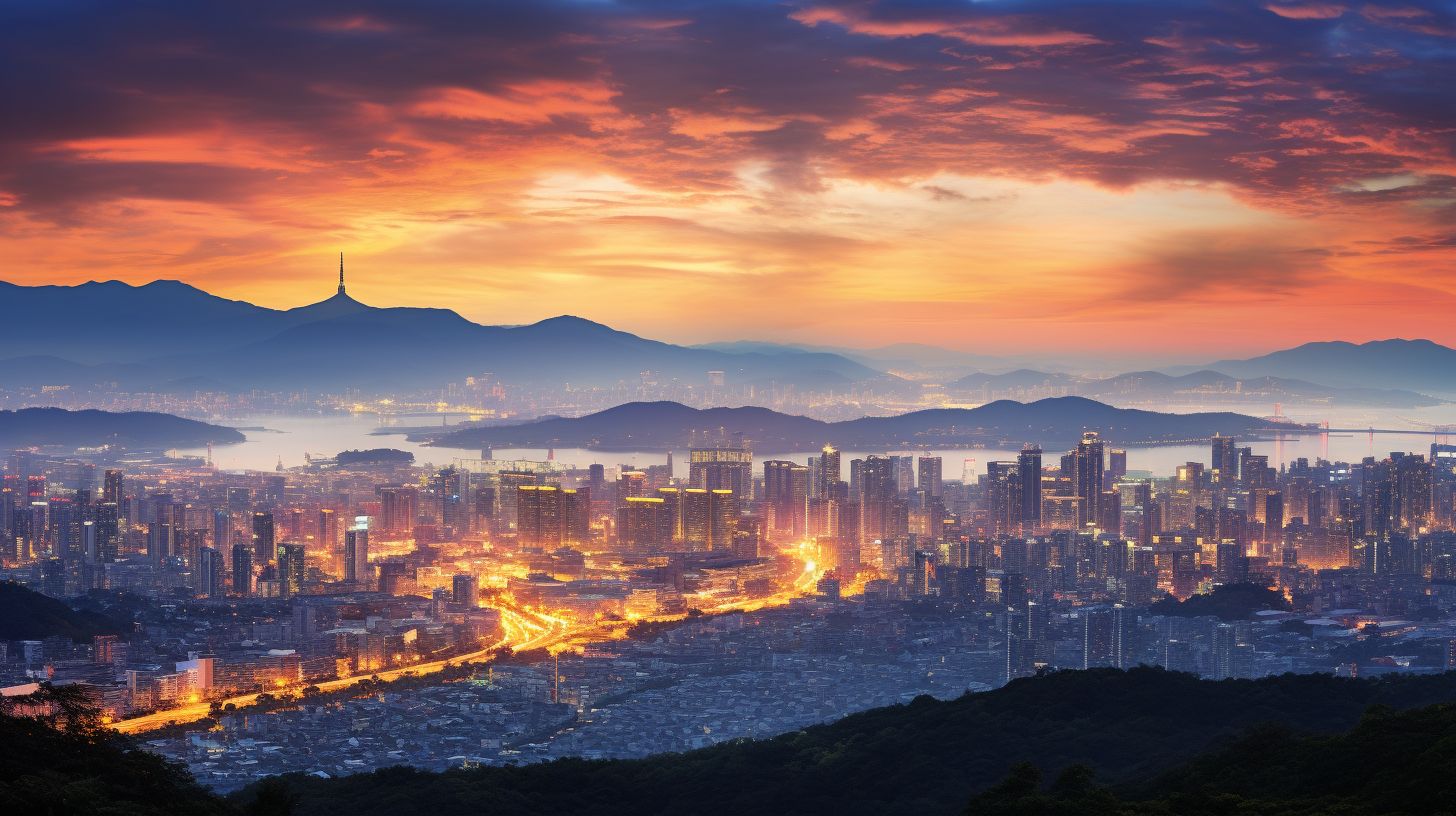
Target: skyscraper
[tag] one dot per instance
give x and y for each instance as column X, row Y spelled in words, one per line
column 265, row 547
column 291, row 568
column 328, row 540
column 1225, row 461
column 643, row 525
column 108, row 531
column 576, row 516
column 1028, row 474
column 725, row 468
column 210, row 573
column 827, row 476
column 356, row 554
column 113, row 488
column 242, row 570
column 723, row 519
column 696, row 519
column 786, row 497
column 1116, row 467
column 1090, row 462
column 879, row 498
column 450, row 487
column 930, row 475
column 397, row 509
column 539, row 516
column 506, row 483
column 464, row 590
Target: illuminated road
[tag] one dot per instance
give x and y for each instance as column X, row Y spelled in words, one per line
column 196, row 711
column 523, row 630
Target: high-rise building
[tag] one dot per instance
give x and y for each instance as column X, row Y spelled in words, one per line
column 879, row 499
column 108, row 531
column 1116, row 467
column 1225, row 461
column 904, row 469
column 1090, row 462
column 723, row 516
column 786, row 498
column 327, row 541
column 1225, row 638
column 210, row 573
column 1028, row 475
column 265, row 547
column 464, row 590
column 1124, row 635
column 1003, row 497
column 159, row 528
column 8, row 512
column 539, row 516
column 397, row 510
column 725, row 468
column 644, row 525
column 1097, row 638
column 222, row 529
column 506, row 483
column 113, row 488
column 292, row 569
column 930, row 475
column 827, row 473
column 450, row 488
column 576, row 516
column 242, row 582
column 696, row 519
column 356, row 554
column 1411, row 493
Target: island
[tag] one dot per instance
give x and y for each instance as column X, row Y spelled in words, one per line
column 58, row 427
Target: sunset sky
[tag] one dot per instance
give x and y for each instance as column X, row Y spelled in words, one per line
column 1178, row 177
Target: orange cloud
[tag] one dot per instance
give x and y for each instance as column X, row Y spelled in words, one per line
column 999, row 31
column 856, row 173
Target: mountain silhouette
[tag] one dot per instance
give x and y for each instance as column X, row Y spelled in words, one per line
column 1201, row 384
column 156, row 336
column 1416, row 365
column 132, row 429
column 1056, row 422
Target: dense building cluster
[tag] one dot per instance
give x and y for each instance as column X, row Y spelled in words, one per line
column 270, row 582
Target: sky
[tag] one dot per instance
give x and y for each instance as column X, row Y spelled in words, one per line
column 1185, row 178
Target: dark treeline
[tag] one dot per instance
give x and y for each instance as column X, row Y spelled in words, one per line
column 922, row 758
column 1104, row 741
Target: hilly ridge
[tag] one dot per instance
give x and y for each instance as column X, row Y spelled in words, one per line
column 1417, row 365
column 1054, row 422
column 1137, row 729
column 90, row 428
column 1140, row 742
column 153, row 336
column 1202, row 384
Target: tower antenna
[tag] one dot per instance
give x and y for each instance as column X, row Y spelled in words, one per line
column 341, row 273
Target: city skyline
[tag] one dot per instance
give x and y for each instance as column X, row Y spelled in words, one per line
column 1030, row 175
column 819, row 407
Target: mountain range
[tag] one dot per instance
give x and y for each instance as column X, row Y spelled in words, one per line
column 1417, row 365
column 1055, row 423
column 167, row 335
column 1202, row 386
column 170, row 337
column 132, row 429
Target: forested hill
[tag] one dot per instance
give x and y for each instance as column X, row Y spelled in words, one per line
column 89, row 428
column 28, row 615
column 927, row 757
column 1139, row 743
